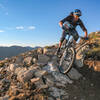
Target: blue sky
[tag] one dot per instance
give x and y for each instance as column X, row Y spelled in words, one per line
column 35, row 22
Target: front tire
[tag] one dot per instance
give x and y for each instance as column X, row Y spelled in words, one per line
column 67, row 59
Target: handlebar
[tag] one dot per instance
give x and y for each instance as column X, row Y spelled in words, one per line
column 84, row 38
column 68, row 30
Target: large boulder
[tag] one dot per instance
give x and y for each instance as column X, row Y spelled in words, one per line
column 25, row 75
column 42, row 59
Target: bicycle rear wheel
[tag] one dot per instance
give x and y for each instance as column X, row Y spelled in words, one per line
column 67, row 59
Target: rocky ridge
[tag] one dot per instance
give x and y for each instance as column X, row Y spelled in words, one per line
column 34, row 75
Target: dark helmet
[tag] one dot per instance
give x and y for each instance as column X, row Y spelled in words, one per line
column 77, row 12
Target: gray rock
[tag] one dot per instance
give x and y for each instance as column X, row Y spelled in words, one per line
column 51, row 67
column 6, row 97
column 19, row 60
column 42, row 59
column 61, row 78
column 50, row 98
column 58, row 93
column 50, row 80
column 74, row 74
column 28, row 61
column 40, row 73
column 25, row 76
column 40, row 84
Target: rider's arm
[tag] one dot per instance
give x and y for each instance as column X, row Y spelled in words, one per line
column 83, row 28
column 60, row 24
column 68, row 18
column 86, row 34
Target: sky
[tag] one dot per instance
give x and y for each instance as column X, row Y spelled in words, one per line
column 35, row 22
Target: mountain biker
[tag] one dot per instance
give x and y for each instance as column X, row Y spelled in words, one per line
column 71, row 22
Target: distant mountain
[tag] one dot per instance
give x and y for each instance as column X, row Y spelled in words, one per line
column 6, row 52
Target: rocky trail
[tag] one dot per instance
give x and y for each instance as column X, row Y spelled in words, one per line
column 34, row 75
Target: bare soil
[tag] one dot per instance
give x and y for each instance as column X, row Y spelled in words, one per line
column 87, row 88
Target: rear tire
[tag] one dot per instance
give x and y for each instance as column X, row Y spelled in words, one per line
column 67, row 59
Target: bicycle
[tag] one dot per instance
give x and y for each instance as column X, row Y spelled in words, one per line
column 68, row 56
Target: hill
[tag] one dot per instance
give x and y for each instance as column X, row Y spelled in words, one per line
column 6, row 52
column 34, row 75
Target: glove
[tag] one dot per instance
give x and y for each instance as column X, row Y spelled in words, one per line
column 86, row 38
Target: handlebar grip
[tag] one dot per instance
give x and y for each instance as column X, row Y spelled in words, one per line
column 84, row 38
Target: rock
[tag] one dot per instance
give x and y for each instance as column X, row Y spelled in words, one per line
column 25, row 76
column 40, row 84
column 79, row 62
column 13, row 91
column 49, row 51
column 4, row 85
column 43, row 60
column 33, row 80
column 96, row 66
column 61, row 78
column 12, row 67
column 6, row 97
column 28, row 61
column 74, row 74
column 39, row 97
column 20, row 70
column 19, row 60
column 50, row 80
column 50, row 98
column 34, row 60
column 1, row 69
column 40, row 50
column 52, row 66
column 40, row 73
column 58, row 93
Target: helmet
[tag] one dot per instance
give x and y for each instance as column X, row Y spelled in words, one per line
column 77, row 12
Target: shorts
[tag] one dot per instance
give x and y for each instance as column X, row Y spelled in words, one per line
column 73, row 32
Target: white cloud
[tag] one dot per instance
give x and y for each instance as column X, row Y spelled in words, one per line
column 19, row 27
column 2, row 31
column 3, row 9
column 2, row 6
column 31, row 27
column 6, row 13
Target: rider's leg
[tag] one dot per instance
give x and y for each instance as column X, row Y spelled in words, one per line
column 75, row 36
column 61, row 41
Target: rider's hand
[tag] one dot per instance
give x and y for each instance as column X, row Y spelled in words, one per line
column 86, row 38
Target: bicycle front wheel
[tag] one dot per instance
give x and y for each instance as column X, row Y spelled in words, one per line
column 67, row 59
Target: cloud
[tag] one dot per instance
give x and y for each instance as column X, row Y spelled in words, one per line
column 2, row 31
column 19, row 27
column 3, row 9
column 31, row 27
column 2, row 6
column 6, row 13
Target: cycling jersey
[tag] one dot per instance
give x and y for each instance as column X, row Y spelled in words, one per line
column 71, row 20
